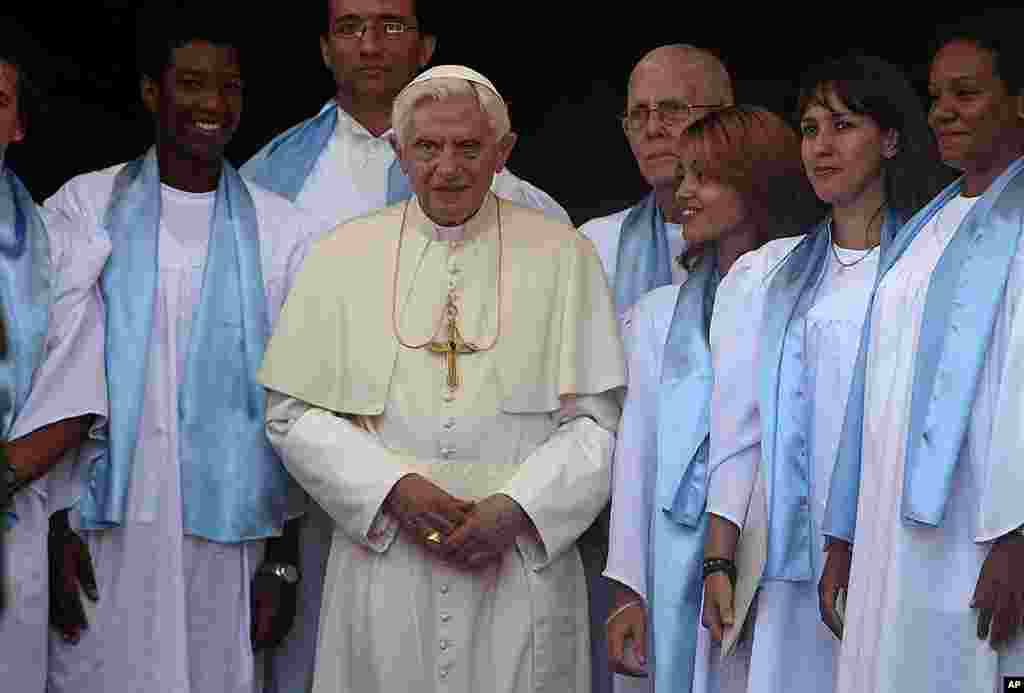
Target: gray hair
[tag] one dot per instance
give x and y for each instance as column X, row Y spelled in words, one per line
column 442, row 88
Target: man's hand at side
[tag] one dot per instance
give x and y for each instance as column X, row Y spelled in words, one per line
column 70, row 566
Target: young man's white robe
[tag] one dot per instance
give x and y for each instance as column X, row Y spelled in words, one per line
column 68, row 383
column 394, row 617
column 173, row 614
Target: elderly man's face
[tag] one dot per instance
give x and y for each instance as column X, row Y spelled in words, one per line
column 451, row 154
column 10, row 124
column 374, row 66
column 654, row 145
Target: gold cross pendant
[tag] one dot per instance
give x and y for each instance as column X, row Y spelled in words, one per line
column 453, row 346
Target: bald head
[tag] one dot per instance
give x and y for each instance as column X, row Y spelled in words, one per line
column 689, row 64
column 679, row 76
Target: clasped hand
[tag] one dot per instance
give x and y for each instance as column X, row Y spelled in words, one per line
column 466, row 534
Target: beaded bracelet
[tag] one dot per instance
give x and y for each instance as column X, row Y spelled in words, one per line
column 720, row 565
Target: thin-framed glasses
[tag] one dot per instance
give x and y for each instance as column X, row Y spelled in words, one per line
column 356, row 28
column 671, row 112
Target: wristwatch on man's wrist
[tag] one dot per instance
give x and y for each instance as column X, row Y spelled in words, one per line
column 9, row 481
column 282, row 571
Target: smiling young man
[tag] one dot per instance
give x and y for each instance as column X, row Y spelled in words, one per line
column 51, row 382
column 456, row 493
column 178, row 510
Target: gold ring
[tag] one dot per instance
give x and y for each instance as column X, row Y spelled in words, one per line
column 434, row 536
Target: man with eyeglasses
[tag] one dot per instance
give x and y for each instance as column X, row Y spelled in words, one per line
column 671, row 87
column 340, row 164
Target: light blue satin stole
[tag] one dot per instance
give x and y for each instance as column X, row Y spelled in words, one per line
column 285, row 163
column 679, row 521
column 643, row 261
column 783, row 402
column 965, row 291
column 234, row 488
column 26, row 293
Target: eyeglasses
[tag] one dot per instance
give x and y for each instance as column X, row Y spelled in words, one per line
column 356, row 28
column 672, row 113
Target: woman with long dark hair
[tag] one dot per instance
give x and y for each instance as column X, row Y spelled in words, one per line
column 928, row 482
column 783, row 369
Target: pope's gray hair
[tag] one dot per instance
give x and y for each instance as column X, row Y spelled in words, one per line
column 442, row 88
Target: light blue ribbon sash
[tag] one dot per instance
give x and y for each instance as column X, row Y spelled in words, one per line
column 643, row 262
column 285, row 163
column 679, row 521
column 233, row 486
column 964, row 293
column 685, row 398
column 784, row 405
column 26, row 292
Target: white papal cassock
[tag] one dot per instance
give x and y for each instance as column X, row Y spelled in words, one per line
column 173, row 613
column 349, row 180
column 68, row 383
column 908, row 621
column 351, row 413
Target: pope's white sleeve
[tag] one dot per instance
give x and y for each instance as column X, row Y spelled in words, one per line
column 565, row 483
column 343, row 467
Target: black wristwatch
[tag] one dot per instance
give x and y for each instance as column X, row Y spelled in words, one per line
column 9, row 482
column 285, row 572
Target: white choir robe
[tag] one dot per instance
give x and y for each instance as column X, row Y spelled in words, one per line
column 68, row 383
column 604, row 232
column 791, row 650
column 350, row 180
column 173, row 613
column 633, row 483
column 908, row 618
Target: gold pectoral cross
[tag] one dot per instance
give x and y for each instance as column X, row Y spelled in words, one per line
column 453, row 346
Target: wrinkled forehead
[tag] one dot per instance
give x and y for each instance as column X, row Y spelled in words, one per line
column 962, row 59
column 370, row 8
column 454, row 117
column 654, row 81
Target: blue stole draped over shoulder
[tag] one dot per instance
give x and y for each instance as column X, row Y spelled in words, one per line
column 783, row 402
column 643, row 262
column 679, row 522
column 233, row 486
column 685, row 398
column 26, row 293
column 965, row 291
column 284, row 164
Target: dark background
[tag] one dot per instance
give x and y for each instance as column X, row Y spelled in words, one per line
column 562, row 67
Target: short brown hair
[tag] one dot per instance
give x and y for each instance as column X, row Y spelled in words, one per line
column 754, row 151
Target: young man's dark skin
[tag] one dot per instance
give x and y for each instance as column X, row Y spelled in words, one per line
column 196, row 106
